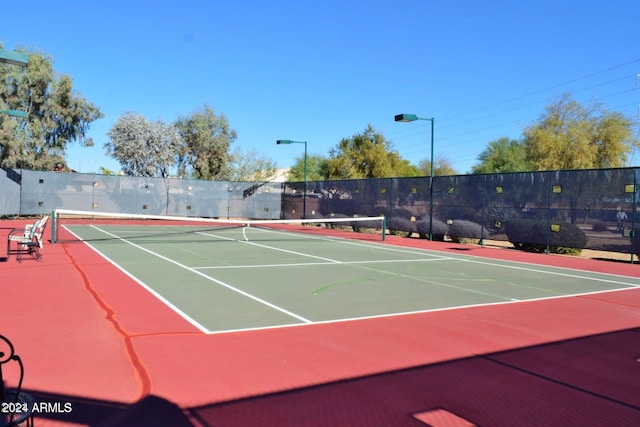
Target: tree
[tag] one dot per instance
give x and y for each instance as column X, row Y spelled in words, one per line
column 503, row 155
column 316, row 168
column 144, row 148
column 441, row 167
column 366, row 155
column 207, row 139
column 105, row 171
column 57, row 115
column 571, row 136
column 249, row 166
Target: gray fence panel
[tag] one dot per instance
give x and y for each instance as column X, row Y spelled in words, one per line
column 10, row 191
column 180, row 197
column 44, row 191
column 255, row 200
column 140, row 195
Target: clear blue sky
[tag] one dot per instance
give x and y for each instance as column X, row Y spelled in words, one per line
column 320, row 71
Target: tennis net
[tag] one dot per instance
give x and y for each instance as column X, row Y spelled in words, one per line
column 142, row 225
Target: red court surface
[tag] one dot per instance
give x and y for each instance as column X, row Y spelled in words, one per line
column 90, row 337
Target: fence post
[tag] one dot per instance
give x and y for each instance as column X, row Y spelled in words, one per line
column 484, row 195
column 548, row 227
column 633, row 216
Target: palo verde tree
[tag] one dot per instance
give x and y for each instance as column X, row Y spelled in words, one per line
column 57, row 115
column 367, row 155
column 144, row 148
column 207, row 139
column 572, row 136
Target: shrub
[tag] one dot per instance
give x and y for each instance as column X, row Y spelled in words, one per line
column 380, row 211
column 523, row 235
column 438, row 229
column 339, row 225
column 400, row 213
column 568, row 239
column 560, row 237
column 635, row 241
column 315, row 216
column 599, row 226
column 371, row 226
column 400, row 226
column 462, row 231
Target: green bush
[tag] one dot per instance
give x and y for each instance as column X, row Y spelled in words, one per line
column 559, row 237
column 400, row 226
column 438, row 229
column 462, row 231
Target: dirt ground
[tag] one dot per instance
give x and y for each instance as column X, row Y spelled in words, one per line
column 586, row 253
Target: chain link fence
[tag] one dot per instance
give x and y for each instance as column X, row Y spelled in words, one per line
column 593, row 209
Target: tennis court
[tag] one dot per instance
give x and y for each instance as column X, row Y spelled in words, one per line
column 241, row 324
column 224, row 278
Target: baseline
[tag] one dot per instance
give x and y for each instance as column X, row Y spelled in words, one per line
column 185, row 267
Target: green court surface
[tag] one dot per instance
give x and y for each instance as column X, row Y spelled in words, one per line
column 220, row 281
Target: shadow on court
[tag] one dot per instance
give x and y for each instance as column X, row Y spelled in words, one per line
column 589, row 381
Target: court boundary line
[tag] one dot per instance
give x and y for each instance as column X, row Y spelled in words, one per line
column 418, row 251
column 168, row 303
column 414, row 312
column 471, row 258
column 211, row 279
column 302, row 264
column 575, row 276
column 438, row 256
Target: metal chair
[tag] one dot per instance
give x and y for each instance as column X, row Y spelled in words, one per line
column 17, row 406
column 28, row 241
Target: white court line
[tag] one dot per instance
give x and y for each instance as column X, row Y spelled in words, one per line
column 438, row 257
column 334, row 261
column 144, row 285
column 219, row 282
column 303, row 264
column 476, row 261
column 557, row 273
column 377, row 245
column 414, row 312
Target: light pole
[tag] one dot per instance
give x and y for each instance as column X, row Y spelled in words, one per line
column 304, row 196
column 14, row 113
column 14, row 58
column 21, row 60
column 411, row 118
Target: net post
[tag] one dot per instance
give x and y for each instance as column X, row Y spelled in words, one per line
column 384, row 227
column 54, row 226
